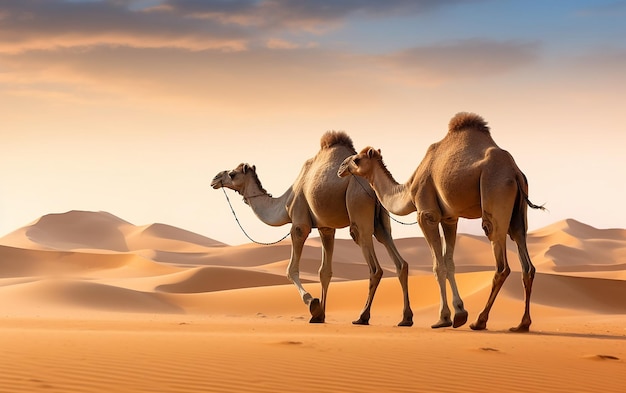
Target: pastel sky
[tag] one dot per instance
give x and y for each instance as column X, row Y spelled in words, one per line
column 132, row 106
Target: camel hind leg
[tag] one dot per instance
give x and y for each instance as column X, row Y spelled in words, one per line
column 517, row 231
column 449, row 233
column 382, row 232
column 327, row 236
column 498, row 244
column 498, row 195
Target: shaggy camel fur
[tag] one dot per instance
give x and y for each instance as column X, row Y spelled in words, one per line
column 464, row 175
column 319, row 199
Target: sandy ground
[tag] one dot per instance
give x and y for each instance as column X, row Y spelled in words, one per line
column 92, row 303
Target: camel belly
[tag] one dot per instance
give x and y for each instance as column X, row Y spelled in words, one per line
column 329, row 211
column 327, row 204
column 460, row 206
column 459, row 190
column 325, row 192
column 459, row 194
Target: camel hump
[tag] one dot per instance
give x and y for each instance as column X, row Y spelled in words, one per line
column 332, row 138
column 467, row 120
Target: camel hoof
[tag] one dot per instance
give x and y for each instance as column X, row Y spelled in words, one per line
column 442, row 323
column 317, row 312
column 361, row 321
column 406, row 323
column 317, row 320
column 520, row 329
column 478, row 326
column 460, row 319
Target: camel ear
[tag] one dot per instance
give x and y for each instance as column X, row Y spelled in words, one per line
column 371, row 152
column 245, row 168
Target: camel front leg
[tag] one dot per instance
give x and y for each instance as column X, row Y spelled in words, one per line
column 383, row 235
column 327, row 236
column 449, row 234
column 364, row 239
column 429, row 222
column 299, row 234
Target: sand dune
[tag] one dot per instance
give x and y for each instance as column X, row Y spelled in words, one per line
column 209, row 279
column 121, row 307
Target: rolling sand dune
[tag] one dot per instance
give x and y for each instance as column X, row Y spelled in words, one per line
column 92, row 303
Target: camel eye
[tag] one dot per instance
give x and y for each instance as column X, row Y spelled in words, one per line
column 356, row 161
column 231, row 175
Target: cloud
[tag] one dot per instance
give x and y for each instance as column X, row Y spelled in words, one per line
column 462, row 59
column 260, row 79
column 277, row 43
column 599, row 69
column 35, row 25
column 269, row 77
column 616, row 9
column 188, row 24
column 283, row 13
column 221, row 53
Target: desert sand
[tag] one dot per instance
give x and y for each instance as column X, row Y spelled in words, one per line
column 92, row 303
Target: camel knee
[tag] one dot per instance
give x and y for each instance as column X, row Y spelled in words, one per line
column 449, row 262
column 487, row 225
column 450, row 271
column 325, row 274
column 529, row 275
column 293, row 274
column 377, row 275
column 501, row 275
column 403, row 268
column 440, row 271
column 428, row 218
column 354, row 232
column 300, row 231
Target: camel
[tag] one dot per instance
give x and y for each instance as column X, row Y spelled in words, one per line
column 319, row 199
column 464, row 175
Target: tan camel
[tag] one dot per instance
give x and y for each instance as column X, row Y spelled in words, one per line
column 464, row 175
column 319, row 199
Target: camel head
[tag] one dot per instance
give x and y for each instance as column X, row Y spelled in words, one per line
column 360, row 164
column 234, row 179
column 240, row 179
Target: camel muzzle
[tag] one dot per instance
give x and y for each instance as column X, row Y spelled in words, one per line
column 217, row 180
column 344, row 168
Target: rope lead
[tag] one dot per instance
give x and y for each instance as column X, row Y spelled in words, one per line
column 243, row 230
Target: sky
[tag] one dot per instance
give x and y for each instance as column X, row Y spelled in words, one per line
column 133, row 106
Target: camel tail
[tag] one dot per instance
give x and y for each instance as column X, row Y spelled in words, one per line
column 522, row 189
column 519, row 217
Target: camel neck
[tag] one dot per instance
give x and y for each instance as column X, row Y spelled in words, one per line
column 395, row 197
column 272, row 211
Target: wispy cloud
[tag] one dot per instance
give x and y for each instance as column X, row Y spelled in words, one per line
column 189, row 24
column 616, row 9
column 463, row 59
column 260, row 78
column 224, row 52
column 35, row 25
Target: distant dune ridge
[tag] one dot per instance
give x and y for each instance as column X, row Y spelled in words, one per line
column 97, row 246
column 66, row 275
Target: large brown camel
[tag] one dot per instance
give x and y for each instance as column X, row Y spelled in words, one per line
column 464, row 175
column 320, row 199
